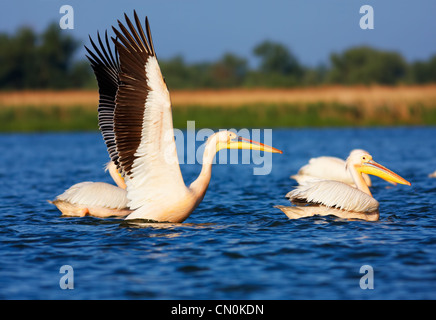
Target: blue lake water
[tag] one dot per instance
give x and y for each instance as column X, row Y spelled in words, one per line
column 235, row 245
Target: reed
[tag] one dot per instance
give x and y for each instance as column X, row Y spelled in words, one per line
column 324, row 106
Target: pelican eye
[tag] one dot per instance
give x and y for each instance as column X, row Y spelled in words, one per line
column 232, row 136
column 366, row 158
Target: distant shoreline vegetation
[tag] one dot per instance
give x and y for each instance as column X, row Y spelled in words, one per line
column 42, row 88
column 79, row 118
column 45, row 61
column 225, row 109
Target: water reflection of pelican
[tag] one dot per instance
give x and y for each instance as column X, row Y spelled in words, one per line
column 174, row 229
column 328, row 197
column 144, row 223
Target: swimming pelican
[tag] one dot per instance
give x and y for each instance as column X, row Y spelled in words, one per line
column 327, row 168
column 432, row 175
column 328, row 197
column 98, row 199
column 139, row 134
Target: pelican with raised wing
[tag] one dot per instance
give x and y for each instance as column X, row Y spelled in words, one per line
column 139, row 132
column 328, row 197
column 327, row 168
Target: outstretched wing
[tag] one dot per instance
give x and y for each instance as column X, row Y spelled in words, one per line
column 106, row 69
column 143, row 125
column 333, row 194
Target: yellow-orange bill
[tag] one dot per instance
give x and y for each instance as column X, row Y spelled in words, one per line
column 376, row 169
column 254, row 145
column 242, row 143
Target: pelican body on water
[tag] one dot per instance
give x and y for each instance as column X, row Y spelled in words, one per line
column 327, row 168
column 97, row 199
column 329, row 197
column 135, row 119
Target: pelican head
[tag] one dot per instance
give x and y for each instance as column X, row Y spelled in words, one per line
column 362, row 161
column 115, row 174
column 230, row 140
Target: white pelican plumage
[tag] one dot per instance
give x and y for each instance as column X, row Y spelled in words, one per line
column 98, row 199
column 327, row 168
column 136, row 123
column 328, row 197
column 115, row 175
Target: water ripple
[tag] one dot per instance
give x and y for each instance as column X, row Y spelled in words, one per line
column 236, row 245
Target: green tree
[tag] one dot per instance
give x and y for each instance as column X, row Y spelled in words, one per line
column 175, row 72
column 230, row 71
column 55, row 57
column 365, row 65
column 423, row 71
column 314, row 76
column 17, row 59
column 29, row 60
column 278, row 66
column 179, row 75
column 276, row 58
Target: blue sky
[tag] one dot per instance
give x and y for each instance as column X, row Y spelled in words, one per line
column 202, row 30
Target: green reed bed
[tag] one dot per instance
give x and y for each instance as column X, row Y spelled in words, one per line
column 53, row 118
column 294, row 115
column 80, row 118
